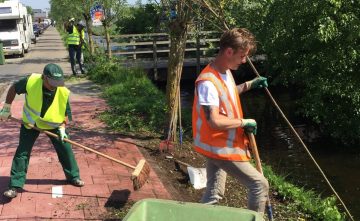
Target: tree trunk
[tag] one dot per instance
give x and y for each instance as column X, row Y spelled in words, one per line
column 178, row 36
column 89, row 30
column 88, row 22
column 107, row 37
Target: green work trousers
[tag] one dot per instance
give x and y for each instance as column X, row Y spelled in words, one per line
column 21, row 159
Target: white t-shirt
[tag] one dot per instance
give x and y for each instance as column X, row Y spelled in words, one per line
column 208, row 95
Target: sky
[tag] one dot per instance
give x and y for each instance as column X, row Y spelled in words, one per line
column 36, row 4
column 42, row 4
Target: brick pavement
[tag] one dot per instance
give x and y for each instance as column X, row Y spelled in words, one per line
column 107, row 183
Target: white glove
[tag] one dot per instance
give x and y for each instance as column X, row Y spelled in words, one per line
column 62, row 134
column 5, row 112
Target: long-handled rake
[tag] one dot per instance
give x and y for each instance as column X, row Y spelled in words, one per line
column 141, row 171
column 259, row 168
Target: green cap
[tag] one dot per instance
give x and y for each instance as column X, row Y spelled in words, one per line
column 54, row 74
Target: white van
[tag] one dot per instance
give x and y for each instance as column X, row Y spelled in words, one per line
column 15, row 31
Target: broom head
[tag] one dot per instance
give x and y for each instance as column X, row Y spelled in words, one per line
column 141, row 174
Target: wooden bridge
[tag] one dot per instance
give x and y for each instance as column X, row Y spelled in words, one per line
column 151, row 51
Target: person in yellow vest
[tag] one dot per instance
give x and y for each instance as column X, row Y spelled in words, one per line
column 81, row 28
column 219, row 129
column 47, row 107
column 75, row 41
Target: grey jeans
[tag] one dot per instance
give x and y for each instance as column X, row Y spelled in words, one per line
column 254, row 181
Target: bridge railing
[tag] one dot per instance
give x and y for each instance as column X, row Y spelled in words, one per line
column 155, row 47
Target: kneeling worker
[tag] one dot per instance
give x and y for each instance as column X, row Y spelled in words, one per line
column 46, row 107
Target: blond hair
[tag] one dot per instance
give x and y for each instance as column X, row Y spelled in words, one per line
column 238, row 39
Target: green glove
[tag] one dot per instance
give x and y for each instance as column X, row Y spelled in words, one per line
column 258, row 82
column 5, row 112
column 249, row 125
column 62, row 134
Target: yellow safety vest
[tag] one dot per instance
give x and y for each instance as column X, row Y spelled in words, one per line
column 54, row 116
column 83, row 37
column 74, row 37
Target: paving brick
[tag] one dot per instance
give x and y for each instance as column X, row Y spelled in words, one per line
column 5, row 170
column 138, row 195
column 121, row 187
column 92, row 209
column 70, row 190
column 25, row 208
column 68, row 208
column 44, row 208
column 82, row 164
column 105, row 179
column 3, row 151
column 8, row 217
column 7, row 161
column 87, row 178
column 117, row 170
column 93, row 170
column 100, row 190
column 126, row 183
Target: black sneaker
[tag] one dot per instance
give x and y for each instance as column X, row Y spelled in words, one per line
column 77, row 182
column 11, row 193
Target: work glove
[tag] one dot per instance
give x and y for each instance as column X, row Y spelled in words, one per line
column 249, row 125
column 5, row 112
column 258, row 82
column 62, row 134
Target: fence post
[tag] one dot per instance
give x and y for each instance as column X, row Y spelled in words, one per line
column 198, row 53
column 134, row 48
column 155, row 58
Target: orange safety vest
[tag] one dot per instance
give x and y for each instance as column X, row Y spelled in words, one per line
column 229, row 144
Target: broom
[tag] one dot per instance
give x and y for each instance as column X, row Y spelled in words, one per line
column 141, row 171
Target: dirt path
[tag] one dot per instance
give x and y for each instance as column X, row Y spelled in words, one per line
column 107, row 183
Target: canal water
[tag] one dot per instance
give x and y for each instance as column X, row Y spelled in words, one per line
column 280, row 149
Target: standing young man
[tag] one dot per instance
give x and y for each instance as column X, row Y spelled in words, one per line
column 75, row 40
column 219, row 129
column 46, row 107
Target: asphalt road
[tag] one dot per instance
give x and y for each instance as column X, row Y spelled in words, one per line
column 48, row 49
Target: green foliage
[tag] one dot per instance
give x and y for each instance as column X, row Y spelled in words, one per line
column 62, row 10
column 314, row 45
column 113, row 10
column 29, row 10
column 141, row 19
column 307, row 201
column 99, row 30
column 136, row 104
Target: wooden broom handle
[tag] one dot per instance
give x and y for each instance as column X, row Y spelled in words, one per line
column 255, row 152
column 73, row 143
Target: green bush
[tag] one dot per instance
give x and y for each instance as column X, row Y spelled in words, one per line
column 135, row 103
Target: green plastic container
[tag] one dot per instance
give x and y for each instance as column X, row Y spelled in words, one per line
column 167, row 210
column 2, row 58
